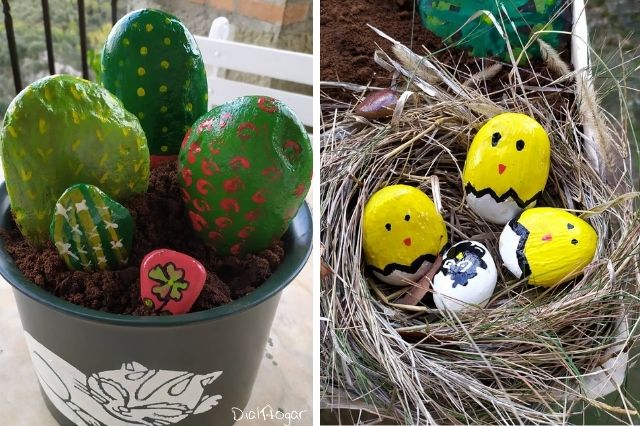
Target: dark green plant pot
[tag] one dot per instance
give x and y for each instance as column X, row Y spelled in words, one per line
column 100, row 368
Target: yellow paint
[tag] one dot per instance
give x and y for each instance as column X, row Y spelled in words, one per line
column 167, row 41
column 125, row 131
column 99, row 135
column 78, row 169
column 144, row 50
column 47, row 94
column 206, row 96
column 163, row 108
column 140, row 91
column 163, row 89
column 525, row 171
column 12, row 131
column 552, row 256
column 141, row 71
column 126, row 41
column 188, row 106
column 75, row 92
column 138, row 165
column 75, row 144
column 384, row 245
column 165, row 129
column 42, row 126
column 31, row 194
column 41, row 214
column 164, row 64
column 164, row 148
column 103, row 159
column 149, row 27
column 104, row 177
column 75, row 116
column 26, row 175
column 44, row 154
column 22, row 153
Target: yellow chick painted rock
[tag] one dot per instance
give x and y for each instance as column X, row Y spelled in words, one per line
column 402, row 234
column 507, row 167
column 548, row 245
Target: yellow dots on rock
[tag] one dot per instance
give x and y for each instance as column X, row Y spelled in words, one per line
column 140, row 91
column 149, row 27
column 165, row 129
column 12, row 131
column 188, row 106
column 167, row 41
column 163, row 108
column 163, row 89
column 125, row 131
column 76, row 117
column 42, row 126
column 167, row 21
column 206, row 96
column 75, row 145
column 126, row 41
column 75, row 92
column 47, row 94
column 141, row 71
column 164, row 64
column 164, row 148
column 99, row 135
column 144, row 50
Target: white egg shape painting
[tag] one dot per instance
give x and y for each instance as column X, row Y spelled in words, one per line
column 466, row 278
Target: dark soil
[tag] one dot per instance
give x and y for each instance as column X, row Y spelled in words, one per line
column 161, row 222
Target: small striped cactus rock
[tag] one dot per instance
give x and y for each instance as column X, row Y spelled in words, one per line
column 91, row 231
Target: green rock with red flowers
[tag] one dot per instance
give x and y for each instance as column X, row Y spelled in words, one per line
column 152, row 63
column 245, row 168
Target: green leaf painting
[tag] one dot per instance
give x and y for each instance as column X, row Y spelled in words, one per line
column 480, row 26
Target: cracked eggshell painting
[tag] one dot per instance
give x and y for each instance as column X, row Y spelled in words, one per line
column 548, row 245
column 467, row 277
column 507, row 167
column 403, row 234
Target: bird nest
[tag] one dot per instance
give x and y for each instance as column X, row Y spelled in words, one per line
column 533, row 354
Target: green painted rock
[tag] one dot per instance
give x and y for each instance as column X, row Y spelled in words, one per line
column 245, row 169
column 152, row 63
column 91, row 231
column 480, row 36
column 63, row 130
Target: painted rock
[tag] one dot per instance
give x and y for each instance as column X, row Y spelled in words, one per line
column 245, row 168
column 548, row 245
column 467, row 277
column 402, row 234
column 171, row 281
column 507, row 167
column 152, row 62
column 91, row 231
column 457, row 22
column 63, row 130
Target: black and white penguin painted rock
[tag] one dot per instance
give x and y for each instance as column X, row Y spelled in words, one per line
column 467, row 277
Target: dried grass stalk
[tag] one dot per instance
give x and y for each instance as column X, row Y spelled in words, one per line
column 521, row 359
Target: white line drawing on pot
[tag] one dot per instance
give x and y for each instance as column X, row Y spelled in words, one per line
column 131, row 395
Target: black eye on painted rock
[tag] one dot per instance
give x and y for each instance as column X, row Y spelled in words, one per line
column 495, row 138
column 574, row 241
column 569, row 226
column 388, row 226
column 407, row 218
column 520, row 145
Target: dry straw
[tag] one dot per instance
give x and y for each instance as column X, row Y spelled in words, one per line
column 523, row 359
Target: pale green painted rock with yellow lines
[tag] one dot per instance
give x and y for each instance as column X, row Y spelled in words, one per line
column 91, row 231
column 62, row 130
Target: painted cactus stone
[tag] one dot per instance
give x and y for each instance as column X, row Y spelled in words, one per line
column 548, row 245
column 461, row 23
column 91, row 231
column 245, row 168
column 170, row 281
column 467, row 277
column 403, row 232
column 63, row 130
column 507, row 167
column 152, row 63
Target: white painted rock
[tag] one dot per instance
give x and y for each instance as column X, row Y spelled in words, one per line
column 467, row 277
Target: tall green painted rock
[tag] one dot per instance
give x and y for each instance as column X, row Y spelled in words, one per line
column 62, row 130
column 152, row 63
column 451, row 20
column 245, row 168
column 91, row 231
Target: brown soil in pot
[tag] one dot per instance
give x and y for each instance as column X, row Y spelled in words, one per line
column 161, row 222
